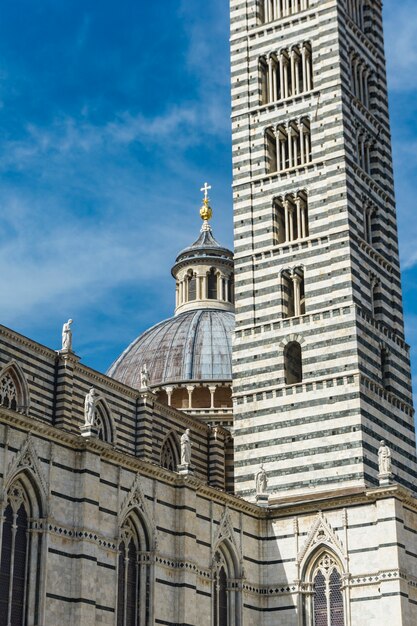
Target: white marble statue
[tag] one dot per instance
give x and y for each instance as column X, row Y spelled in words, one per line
column 90, row 407
column 67, row 336
column 261, row 481
column 144, row 377
column 384, row 459
column 186, row 448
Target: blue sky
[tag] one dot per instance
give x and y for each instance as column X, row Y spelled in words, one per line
column 112, row 115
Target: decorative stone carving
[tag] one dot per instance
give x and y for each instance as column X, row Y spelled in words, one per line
column 89, row 429
column 186, row 448
column 27, row 459
column 384, row 464
column 135, row 500
column 261, row 484
column 261, row 481
column 321, row 533
column 225, row 532
column 67, row 337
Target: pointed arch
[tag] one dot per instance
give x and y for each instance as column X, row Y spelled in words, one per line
column 133, row 571
column 26, row 467
column 227, row 572
column 170, row 452
column 14, row 390
column 325, row 600
column 104, row 422
column 21, row 539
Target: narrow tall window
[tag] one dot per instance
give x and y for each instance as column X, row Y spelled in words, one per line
column 132, row 586
column 293, row 293
column 212, row 285
column 327, row 601
column 293, row 368
column 17, row 570
column 192, row 288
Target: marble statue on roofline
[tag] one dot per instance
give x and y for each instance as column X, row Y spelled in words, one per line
column 67, row 336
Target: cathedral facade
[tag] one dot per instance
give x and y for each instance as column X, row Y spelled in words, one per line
column 250, row 461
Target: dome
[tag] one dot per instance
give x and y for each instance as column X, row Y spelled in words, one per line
column 192, row 346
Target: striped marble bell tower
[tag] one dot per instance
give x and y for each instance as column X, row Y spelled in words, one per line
column 321, row 368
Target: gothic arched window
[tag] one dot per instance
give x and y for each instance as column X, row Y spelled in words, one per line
column 170, row 457
column 18, row 559
column 225, row 593
column 13, row 388
column 293, row 366
column 8, row 392
column 133, row 576
column 103, row 423
column 325, row 607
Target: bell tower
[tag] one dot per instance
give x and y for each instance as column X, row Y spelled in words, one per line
column 321, row 367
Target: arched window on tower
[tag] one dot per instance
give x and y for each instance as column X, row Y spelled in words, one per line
column 325, row 606
column 212, row 285
column 133, row 575
column 20, row 550
column 293, row 365
column 293, row 293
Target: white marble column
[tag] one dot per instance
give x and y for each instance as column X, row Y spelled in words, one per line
column 289, row 141
column 281, row 76
column 212, row 389
column 297, row 294
column 278, row 149
column 300, row 234
column 170, row 391
column 270, row 80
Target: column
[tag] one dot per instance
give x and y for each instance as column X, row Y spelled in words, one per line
column 304, row 221
column 368, row 156
column 190, row 389
column 304, row 66
column 212, row 390
column 277, row 9
column 297, row 294
column 170, row 391
column 289, row 141
column 292, row 60
column 302, row 146
column 286, row 7
column 197, row 287
column 360, row 83
column 291, row 216
column 287, row 219
column 219, row 286
column 297, row 73
column 308, row 70
column 281, row 76
column 306, row 135
column 204, row 294
column 278, row 148
column 286, row 85
column 295, row 139
column 300, row 230
column 366, row 88
column 270, row 80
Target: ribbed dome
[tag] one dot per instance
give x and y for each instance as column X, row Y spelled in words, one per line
column 193, row 346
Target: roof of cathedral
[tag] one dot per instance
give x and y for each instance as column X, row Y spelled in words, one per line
column 193, row 346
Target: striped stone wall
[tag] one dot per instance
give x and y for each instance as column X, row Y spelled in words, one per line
column 323, row 432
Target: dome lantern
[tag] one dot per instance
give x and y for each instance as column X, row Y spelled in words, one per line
column 204, row 271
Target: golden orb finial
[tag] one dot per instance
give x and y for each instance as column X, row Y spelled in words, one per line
column 206, row 211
